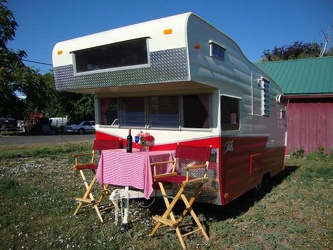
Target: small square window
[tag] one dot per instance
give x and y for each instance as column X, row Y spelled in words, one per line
column 217, row 51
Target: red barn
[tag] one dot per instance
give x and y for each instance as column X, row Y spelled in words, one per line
column 308, row 84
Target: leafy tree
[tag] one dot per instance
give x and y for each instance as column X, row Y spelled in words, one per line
column 41, row 96
column 295, row 51
column 10, row 65
column 83, row 108
column 34, row 87
column 75, row 106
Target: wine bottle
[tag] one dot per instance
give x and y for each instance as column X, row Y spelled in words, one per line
column 129, row 142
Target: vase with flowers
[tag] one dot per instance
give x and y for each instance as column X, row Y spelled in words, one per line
column 146, row 140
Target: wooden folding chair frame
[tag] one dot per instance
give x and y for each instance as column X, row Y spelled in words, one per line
column 88, row 198
column 185, row 183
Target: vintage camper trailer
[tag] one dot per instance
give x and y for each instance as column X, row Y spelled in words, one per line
column 183, row 81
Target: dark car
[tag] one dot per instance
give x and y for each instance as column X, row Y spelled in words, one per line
column 8, row 124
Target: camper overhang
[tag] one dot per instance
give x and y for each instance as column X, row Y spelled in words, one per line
column 169, row 88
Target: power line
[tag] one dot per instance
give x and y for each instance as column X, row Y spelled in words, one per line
column 37, row 62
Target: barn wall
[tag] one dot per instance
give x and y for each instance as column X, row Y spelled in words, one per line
column 310, row 125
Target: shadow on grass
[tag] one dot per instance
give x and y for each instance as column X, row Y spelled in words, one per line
column 233, row 209
column 243, row 203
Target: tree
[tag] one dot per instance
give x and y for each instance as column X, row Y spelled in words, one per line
column 83, row 108
column 10, row 65
column 295, row 51
column 41, row 96
column 37, row 93
column 75, row 106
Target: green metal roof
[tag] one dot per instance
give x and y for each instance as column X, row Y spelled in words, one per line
column 302, row 76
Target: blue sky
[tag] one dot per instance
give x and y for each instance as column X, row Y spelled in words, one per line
column 255, row 25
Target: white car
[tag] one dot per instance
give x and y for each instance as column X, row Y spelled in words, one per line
column 82, row 127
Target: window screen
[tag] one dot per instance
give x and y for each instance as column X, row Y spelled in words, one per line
column 132, row 112
column 164, row 111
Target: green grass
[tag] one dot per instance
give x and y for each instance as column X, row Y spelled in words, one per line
column 38, row 187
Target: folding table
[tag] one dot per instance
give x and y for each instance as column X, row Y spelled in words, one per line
column 130, row 170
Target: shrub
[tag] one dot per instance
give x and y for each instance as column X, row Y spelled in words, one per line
column 318, row 155
column 299, row 153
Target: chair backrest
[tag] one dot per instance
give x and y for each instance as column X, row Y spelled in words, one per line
column 193, row 152
column 106, row 144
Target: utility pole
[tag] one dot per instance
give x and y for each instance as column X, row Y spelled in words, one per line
column 327, row 37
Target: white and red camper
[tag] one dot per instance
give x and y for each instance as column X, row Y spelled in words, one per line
column 183, row 81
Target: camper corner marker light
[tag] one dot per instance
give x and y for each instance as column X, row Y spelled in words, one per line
column 60, row 52
column 167, row 31
column 197, row 46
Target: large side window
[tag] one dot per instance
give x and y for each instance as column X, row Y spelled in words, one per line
column 123, row 54
column 157, row 111
column 229, row 113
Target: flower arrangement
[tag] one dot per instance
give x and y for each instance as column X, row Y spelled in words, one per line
column 146, row 139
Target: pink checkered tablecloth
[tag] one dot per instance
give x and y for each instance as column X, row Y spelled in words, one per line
column 119, row 168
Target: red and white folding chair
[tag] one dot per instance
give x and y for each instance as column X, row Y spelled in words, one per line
column 189, row 174
column 88, row 198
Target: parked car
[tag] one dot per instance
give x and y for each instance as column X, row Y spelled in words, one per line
column 82, row 127
column 8, row 124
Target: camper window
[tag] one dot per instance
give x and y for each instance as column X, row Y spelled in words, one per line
column 190, row 111
column 109, row 112
column 217, row 51
column 196, row 111
column 229, row 113
column 163, row 111
column 132, row 112
column 124, row 54
column 265, row 103
column 282, row 114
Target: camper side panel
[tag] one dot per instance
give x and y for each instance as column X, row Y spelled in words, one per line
column 257, row 146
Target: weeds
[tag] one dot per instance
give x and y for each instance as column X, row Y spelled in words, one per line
column 38, row 187
column 318, row 155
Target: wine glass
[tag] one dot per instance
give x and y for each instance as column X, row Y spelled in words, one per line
column 136, row 139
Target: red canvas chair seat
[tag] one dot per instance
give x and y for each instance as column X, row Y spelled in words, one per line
column 85, row 166
column 188, row 159
column 177, row 179
column 88, row 198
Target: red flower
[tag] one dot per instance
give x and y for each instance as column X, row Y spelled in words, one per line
column 145, row 137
